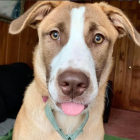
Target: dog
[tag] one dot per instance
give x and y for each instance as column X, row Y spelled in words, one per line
column 72, row 63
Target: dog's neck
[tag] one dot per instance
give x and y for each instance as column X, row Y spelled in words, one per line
column 65, row 124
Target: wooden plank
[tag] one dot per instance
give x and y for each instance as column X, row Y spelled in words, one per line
column 3, row 41
column 135, row 88
column 24, row 39
column 128, row 76
column 115, row 82
column 28, row 4
column 127, row 84
column 115, row 3
column 111, row 78
column 119, row 73
column 32, row 42
column 134, row 5
column 136, row 72
column 129, row 62
column 126, row 5
column 12, row 49
column 134, row 105
column 138, row 6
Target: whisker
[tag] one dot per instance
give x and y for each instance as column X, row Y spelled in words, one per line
column 108, row 85
column 110, row 89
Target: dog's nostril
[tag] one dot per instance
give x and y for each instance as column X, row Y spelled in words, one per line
column 81, row 85
column 65, row 84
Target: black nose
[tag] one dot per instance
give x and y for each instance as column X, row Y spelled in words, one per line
column 73, row 83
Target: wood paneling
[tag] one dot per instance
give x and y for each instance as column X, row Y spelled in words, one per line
column 12, row 49
column 3, row 41
column 17, row 48
column 126, row 72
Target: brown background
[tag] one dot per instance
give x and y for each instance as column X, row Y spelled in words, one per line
column 125, row 75
column 17, row 48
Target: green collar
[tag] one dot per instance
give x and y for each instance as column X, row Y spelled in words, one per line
column 73, row 136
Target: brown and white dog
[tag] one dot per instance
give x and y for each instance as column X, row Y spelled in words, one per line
column 72, row 63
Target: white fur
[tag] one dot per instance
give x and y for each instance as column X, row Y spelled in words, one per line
column 75, row 54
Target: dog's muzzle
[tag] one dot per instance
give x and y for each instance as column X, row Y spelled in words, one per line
column 73, row 84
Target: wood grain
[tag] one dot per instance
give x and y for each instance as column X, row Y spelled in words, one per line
column 17, row 48
column 127, row 68
column 12, row 49
column 24, row 38
column 3, row 41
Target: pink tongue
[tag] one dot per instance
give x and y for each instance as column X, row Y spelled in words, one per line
column 72, row 109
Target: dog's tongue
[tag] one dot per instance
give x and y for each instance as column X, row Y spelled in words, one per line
column 72, row 109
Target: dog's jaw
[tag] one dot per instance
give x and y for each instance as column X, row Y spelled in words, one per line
column 75, row 55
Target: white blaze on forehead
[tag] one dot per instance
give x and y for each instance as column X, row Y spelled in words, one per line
column 77, row 23
column 75, row 54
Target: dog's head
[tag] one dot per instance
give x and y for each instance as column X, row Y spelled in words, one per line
column 74, row 55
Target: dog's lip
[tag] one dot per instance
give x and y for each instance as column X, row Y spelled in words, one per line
column 59, row 105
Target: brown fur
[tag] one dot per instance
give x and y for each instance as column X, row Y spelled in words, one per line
column 31, row 122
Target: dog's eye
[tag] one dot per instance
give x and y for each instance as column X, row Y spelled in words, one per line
column 54, row 35
column 98, row 39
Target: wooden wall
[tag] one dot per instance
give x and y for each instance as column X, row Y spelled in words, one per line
column 126, row 72
column 19, row 48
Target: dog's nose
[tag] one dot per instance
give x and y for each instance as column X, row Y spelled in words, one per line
column 73, row 83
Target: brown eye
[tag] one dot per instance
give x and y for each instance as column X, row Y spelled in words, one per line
column 54, row 35
column 98, row 39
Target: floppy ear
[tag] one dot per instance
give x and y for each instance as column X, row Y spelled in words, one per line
column 120, row 22
column 33, row 16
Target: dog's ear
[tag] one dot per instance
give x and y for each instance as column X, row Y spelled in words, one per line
column 33, row 16
column 120, row 22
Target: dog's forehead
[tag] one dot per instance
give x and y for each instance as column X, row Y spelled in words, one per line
column 62, row 14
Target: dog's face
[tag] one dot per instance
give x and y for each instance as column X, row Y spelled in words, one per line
column 74, row 55
column 75, row 46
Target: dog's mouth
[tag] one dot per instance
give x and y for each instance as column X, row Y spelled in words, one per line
column 72, row 108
